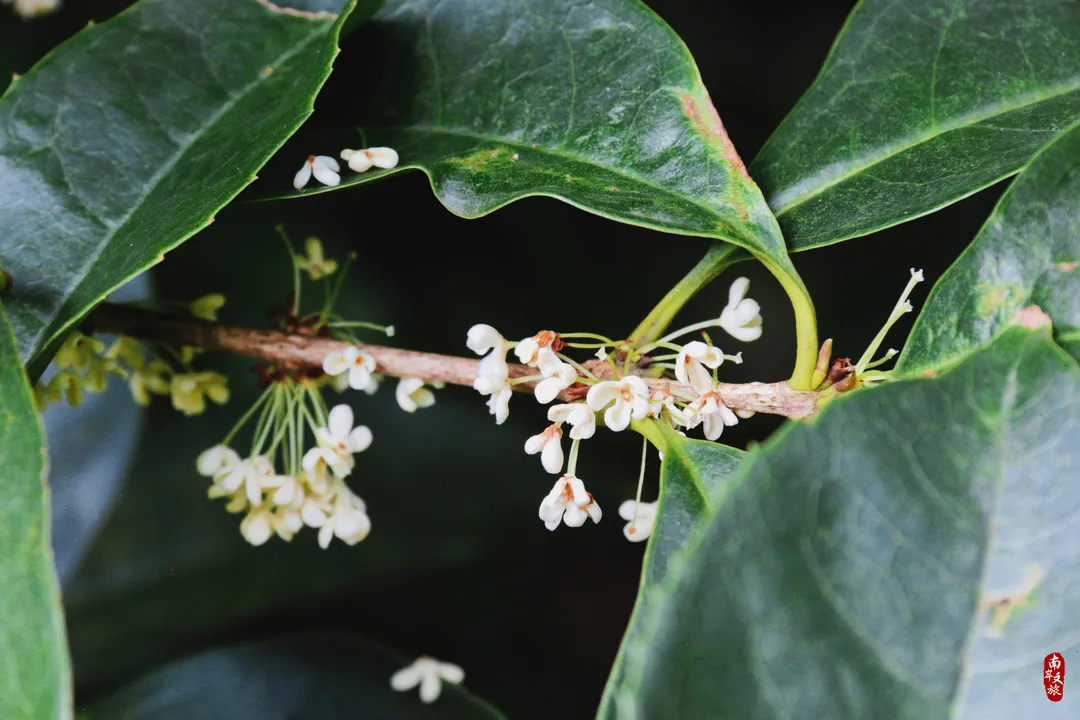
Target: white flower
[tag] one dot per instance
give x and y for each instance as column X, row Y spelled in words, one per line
column 662, row 403
column 492, row 374
column 558, row 376
column 711, row 410
column 538, row 351
column 348, row 521
column 27, row 9
column 428, row 673
column 359, row 366
column 549, row 445
column 218, row 460
column 742, row 316
column 246, row 478
column 580, row 416
column 631, row 396
column 693, row 359
column 568, row 502
column 338, row 441
column 362, row 160
column 258, row 526
column 640, row 529
column 323, row 167
column 411, row 394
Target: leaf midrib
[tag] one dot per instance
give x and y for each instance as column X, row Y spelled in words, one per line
column 149, row 188
column 788, row 199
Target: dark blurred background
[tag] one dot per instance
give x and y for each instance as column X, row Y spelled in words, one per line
column 458, row 564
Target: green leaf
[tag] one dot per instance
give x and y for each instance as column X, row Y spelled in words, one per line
column 849, row 569
column 597, row 104
column 304, row 677
column 35, row 676
column 919, row 104
column 1028, row 253
column 693, row 474
column 125, row 140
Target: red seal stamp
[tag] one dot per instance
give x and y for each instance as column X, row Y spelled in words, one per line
column 1054, row 676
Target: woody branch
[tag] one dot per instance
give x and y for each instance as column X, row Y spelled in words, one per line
column 300, row 351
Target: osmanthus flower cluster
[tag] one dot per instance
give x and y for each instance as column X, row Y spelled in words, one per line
column 610, row 389
column 83, row 365
column 301, row 451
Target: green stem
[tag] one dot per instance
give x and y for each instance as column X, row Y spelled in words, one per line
column 805, row 323
column 716, row 260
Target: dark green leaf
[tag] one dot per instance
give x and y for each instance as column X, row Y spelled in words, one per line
column 598, row 104
column 1028, row 253
column 309, row 677
column 852, row 566
column 693, row 474
column 35, row 681
column 126, row 140
column 920, row 104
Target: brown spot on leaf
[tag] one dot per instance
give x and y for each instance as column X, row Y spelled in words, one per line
column 613, row 189
column 1068, row 266
column 268, row 71
column 1031, row 317
column 569, row 177
column 929, row 373
column 707, row 122
column 1002, row 604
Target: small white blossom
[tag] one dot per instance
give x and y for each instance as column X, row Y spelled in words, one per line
column 580, row 416
column 338, row 441
column 258, row 526
column 630, row 396
column 639, row 529
column 429, row 674
column 217, row 460
column 538, row 351
column 246, row 478
column 323, row 167
column 662, row 403
column 27, row 9
column 569, row 502
column 348, row 521
column 359, row 366
column 557, row 377
column 411, row 394
column 693, row 359
column 711, row 410
column 363, row 160
column 549, row 445
column 492, row 375
column 742, row 317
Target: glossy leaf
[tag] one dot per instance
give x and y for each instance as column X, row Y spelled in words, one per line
column 919, row 104
column 35, row 676
column 693, row 474
column 1028, row 253
column 126, row 140
column 910, row 553
column 499, row 101
column 316, row 677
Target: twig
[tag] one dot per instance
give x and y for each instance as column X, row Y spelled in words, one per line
column 299, row 351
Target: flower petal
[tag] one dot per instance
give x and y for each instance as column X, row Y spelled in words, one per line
column 406, row 678
column 325, row 175
column 327, row 162
column 552, row 456
column 302, row 177
column 451, row 673
column 383, row 157
column 430, row 687
column 482, row 338
column 601, row 394
column 737, row 291
column 359, row 161
column 359, row 439
column 340, row 422
column 335, row 363
column 617, row 417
